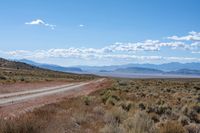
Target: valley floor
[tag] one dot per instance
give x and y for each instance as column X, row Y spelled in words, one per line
column 118, row 106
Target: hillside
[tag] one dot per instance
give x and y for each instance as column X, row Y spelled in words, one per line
column 13, row 71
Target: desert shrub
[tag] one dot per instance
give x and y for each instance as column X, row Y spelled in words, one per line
column 185, row 109
column 46, row 112
column 112, row 128
column 80, row 118
column 99, row 110
column 122, row 83
column 2, row 77
column 115, row 116
column 184, row 120
column 165, row 108
column 141, row 106
column 160, row 109
column 113, row 119
column 112, row 99
column 172, row 127
column 105, row 95
column 193, row 128
column 155, row 117
column 196, row 108
column 191, row 113
column 22, row 125
column 22, row 79
column 160, row 102
column 139, row 123
column 87, row 100
column 126, row 105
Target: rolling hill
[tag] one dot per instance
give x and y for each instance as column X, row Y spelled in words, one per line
column 14, row 71
column 51, row 66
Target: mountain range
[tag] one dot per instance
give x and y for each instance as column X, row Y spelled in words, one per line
column 52, row 66
column 167, row 68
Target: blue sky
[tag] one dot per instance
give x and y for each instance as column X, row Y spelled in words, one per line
column 100, row 32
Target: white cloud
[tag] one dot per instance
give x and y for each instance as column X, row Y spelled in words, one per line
column 40, row 22
column 148, row 45
column 93, row 54
column 196, row 52
column 192, row 36
column 17, row 52
column 119, row 50
column 81, row 25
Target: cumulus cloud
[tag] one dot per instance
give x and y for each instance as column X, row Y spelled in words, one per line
column 86, row 54
column 192, row 36
column 119, row 50
column 40, row 22
column 148, row 45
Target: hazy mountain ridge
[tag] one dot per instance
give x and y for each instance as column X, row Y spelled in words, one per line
column 52, row 67
column 138, row 70
column 167, row 68
column 173, row 66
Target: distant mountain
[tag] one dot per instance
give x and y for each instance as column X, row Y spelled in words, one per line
column 52, row 67
column 167, row 68
column 8, row 64
column 139, row 70
column 173, row 66
column 186, row 72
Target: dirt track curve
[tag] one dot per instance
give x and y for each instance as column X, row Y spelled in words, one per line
column 10, row 98
column 14, row 104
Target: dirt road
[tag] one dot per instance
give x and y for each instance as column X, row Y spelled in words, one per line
column 11, row 98
column 16, row 103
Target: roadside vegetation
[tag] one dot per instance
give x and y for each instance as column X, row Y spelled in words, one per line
column 123, row 106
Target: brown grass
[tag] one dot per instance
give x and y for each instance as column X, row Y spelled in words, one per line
column 125, row 106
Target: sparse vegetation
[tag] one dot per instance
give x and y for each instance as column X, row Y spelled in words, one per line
column 125, row 106
column 12, row 72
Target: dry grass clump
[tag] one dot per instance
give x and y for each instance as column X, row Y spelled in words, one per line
column 99, row 110
column 111, row 128
column 172, row 127
column 29, row 123
column 139, row 123
column 80, row 118
column 21, row 125
column 115, row 116
column 113, row 120
column 193, row 128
